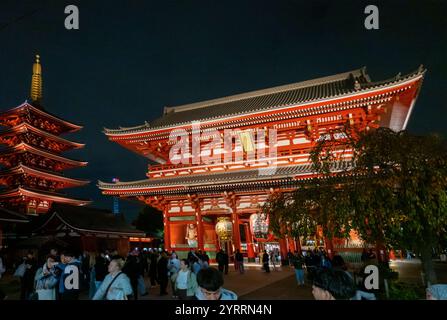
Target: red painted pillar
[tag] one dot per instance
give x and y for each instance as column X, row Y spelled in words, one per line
column 249, row 238
column 167, row 229
column 236, row 233
column 200, row 232
column 283, row 248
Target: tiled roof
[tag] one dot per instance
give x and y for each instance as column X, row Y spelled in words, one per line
column 88, row 219
column 7, row 215
column 70, row 127
column 26, row 127
column 226, row 178
column 306, row 91
column 19, row 191
column 24, row 147
column 264, row 99
column 21, row 168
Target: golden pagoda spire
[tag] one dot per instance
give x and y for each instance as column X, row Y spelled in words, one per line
column 36, row 81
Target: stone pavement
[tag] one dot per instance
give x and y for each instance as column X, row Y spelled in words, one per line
column 242, row 284
column 284, row 289
column 410, row 270
column 255, row 284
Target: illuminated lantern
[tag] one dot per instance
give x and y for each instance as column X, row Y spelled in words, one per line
column 224, row 229
column 259, row 226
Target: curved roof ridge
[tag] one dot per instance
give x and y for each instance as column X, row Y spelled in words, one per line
column 74, row 127
column 40, row 170
column 29, row 126
column 285, row 96
column 266, row 91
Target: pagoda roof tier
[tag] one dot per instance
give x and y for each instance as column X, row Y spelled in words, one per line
column 265, row 177
column 10, row 216
column 26, row 107
column 304, row 95
column 24, row 147
column 26, row 127
column 88, row 220
column 21, row 192
column 37, row 172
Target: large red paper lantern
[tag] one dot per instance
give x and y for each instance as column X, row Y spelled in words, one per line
column 259, row 225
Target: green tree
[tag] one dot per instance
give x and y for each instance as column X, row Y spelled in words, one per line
column 150, row 220
column 393, row 192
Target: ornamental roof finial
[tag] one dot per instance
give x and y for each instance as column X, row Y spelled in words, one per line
column 36, row 82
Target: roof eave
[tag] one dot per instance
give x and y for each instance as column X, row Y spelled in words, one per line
column 144, row 130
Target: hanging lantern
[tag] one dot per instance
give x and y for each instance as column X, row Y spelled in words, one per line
column 259, row 226
column 224, row 228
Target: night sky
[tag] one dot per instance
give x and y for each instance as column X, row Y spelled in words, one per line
column 131, row 58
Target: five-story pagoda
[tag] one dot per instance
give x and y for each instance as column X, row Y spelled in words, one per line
column 30, row 156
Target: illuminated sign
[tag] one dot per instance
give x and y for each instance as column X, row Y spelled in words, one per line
column 140, row 239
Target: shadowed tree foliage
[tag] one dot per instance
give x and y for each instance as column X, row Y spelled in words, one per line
column 393, row 192
column 150, row 220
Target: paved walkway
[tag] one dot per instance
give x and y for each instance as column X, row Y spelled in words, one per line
column 254, row 284
column 410, row 270
column 242, row 284
column 284, row 289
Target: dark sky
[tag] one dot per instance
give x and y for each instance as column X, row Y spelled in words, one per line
column 131, row 58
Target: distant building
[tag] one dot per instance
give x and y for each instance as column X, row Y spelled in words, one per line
column 82, row 229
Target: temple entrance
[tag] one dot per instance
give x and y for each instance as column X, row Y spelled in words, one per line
column 227, row 246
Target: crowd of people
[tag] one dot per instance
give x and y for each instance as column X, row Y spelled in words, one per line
column 331, row 279
column 109, row 276
column 327, row 273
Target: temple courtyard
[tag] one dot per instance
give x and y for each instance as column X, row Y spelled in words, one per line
column 255, row 284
